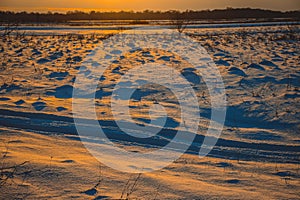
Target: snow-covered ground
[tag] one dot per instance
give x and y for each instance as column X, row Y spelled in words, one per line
column 256, row 157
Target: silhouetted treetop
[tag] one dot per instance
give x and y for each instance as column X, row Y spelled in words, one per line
column 229, row 13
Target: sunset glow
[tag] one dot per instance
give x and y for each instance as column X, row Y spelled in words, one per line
column 108, row 5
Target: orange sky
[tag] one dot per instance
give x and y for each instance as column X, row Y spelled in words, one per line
column 63, row 5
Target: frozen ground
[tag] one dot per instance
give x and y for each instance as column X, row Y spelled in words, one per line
column 257, row 155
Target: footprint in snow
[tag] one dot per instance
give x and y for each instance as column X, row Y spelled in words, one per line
column 38, row 106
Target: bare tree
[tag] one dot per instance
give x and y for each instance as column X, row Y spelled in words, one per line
column 8, row 29
column 180, row 21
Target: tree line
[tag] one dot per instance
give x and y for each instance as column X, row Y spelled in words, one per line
column 229, row 13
